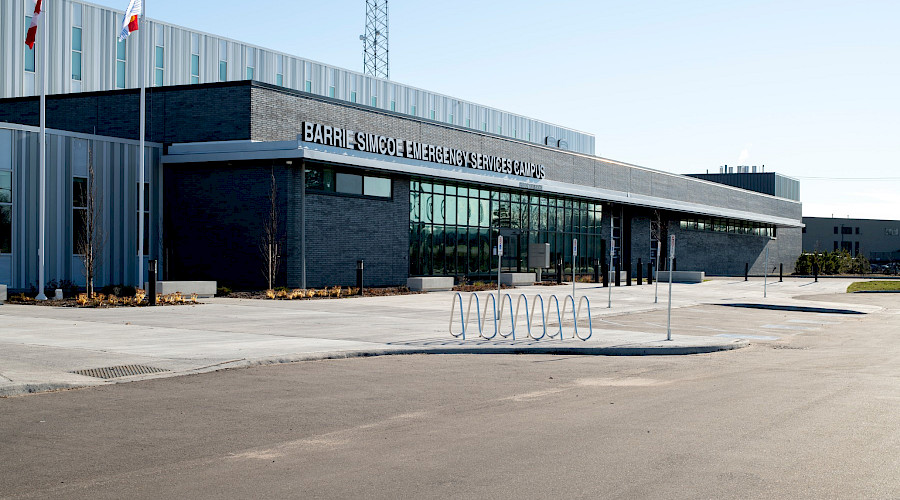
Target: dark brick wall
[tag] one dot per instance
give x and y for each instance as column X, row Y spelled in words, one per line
column 215, row 112
column 215, row 216
column 343, row 229
column 214, row 219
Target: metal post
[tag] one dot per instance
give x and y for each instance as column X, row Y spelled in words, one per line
column 746, row 271
column 151, row 282
column 499, row 263
column 359, row 275
column 640, row 272
column 574, row 258
column 766, row 275
column 816, row 270
column 45, row 56
column 781, row 272
column 142, row 63
column 303, row 224
column 671, row 265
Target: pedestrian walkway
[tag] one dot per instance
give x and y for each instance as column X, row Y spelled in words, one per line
column 42, row 347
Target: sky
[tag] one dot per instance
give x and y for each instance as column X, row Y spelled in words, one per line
column 810, row 89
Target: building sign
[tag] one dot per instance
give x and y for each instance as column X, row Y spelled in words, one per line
column 390, row 146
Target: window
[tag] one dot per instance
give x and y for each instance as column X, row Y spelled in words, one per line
column 484, row 126
column 76, row 47
column 251, row 62
column 353, row 96
column 393, row 105
column 412, row 110
column 146, row 215
column 835, row 229
column 307, row 86
column 279, row 70
column 432, row 114
column 159, row 56
column 79, row 213
column 846, row 230
column 121, row 54
column 857, row 230
column 195, row 58
column 331, row 91
column 450, row 118
column 374, row 102
column 468, row 123
column 329, row 180
column 5, row 205
column 223, row 61
column 29, row 63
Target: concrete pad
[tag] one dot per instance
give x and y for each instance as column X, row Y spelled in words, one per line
column 680, row 276
column 429, row 284
column 204, row 289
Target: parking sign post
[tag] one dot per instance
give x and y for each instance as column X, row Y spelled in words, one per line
column 499, row 262
column 671, row 256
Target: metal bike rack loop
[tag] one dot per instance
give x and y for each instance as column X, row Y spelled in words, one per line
column 506, row 300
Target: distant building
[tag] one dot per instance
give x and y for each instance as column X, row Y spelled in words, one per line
column 877, row 239
column 755, row 178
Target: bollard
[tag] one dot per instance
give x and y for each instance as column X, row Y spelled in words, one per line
column 605, row 270
column 559, row 270
column 649, row 273
column 628, row 273
column 816, row 270
column 596, row 270
column 780, row 272
column 674, row 264
column 640, row 275
column 359, row 276
column 746, row 271
column 617, row 271
column 151, row 282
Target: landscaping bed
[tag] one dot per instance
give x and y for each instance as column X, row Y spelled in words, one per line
column 874, row 286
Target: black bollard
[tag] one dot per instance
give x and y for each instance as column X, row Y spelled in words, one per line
column 596, row 270
column 640, row 271
column 780, row 272
column 151, row 282
column 628, row 273
column 359, row 276
column 559, row 270
column 746, row 271
column 649, row 273
column 618, row 276
column 605, row 270
column 816, row 271
column 674, row 264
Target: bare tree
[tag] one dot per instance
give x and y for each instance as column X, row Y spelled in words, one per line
column 657, row 232
column 269, row 246
column 92, row 238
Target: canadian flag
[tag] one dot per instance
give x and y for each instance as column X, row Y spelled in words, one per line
column 32, row 30
column 130, row 23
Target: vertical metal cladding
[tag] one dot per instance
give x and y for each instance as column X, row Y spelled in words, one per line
column 115, row 163
column 100, row 26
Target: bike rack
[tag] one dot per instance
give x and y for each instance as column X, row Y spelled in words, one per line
column 514, row 315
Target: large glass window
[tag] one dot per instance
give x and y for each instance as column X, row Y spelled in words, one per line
column 454, row 228
column 223, row 61
column 251, row 62
column 145, row 213
column 323, row 178
column 279, row 70
column 76, row 47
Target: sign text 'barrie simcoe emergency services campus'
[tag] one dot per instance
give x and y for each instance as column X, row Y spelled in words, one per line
column 379, row 144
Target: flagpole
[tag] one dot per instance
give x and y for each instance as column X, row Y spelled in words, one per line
column 45, row 54
column 141, row 28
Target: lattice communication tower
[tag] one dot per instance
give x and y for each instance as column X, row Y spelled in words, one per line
column 375, row 41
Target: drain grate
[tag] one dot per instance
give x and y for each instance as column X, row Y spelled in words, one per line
column 119, row 371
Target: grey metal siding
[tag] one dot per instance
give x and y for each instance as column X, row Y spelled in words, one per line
column 100, row 31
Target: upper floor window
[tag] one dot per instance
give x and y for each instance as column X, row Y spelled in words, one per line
column 121, row 54
column 29, row 63
column 251, row 62
column 6, row 197
column 223, row 61
column 159, row 56
column 76, row 46
column 279, row 70
column 195, row 58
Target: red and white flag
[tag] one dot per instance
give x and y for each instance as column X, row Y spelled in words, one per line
column 130, row 23
column 32, row 30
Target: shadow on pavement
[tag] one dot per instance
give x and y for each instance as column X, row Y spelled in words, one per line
column 794, row 308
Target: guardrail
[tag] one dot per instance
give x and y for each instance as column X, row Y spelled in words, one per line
column 506, row 299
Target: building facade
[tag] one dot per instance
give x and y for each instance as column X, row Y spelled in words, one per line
column 412, row 182
column 877, row 239
column 85, row 56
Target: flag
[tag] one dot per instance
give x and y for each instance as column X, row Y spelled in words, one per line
column 130, row 23
column 32, row 30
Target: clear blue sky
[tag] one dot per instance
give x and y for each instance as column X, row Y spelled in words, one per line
column 809, row 88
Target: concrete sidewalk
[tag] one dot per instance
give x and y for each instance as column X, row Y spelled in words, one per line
column 40, row 347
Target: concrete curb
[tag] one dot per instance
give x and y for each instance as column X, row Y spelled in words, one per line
column 623, row 350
